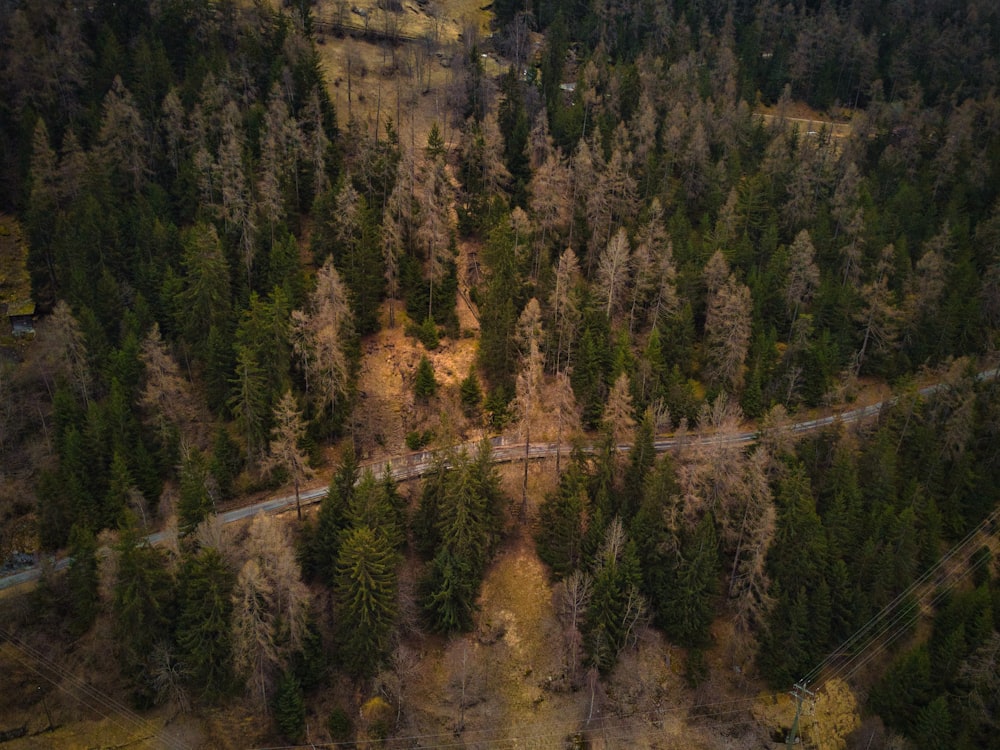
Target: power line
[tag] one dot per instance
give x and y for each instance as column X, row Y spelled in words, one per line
column 86, row 694
column 548, row 730
column 893, row 620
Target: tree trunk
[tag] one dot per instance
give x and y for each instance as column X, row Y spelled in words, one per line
column 298, row 504
column 524, row 482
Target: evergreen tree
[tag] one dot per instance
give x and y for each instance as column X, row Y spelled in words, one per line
column 226, row 462
column 512, row 119
column 449, row 593
column 290, row 708
column 365, row 587
column 689, row 609
column 250, row 399
column 195, row 502
column 616, row 608
column 321, row 543
column 83, row 579
column 471, row 395
column 143, row 604
column 203, row 623
column 376, row 504
column 561, row 520
column 425, row 385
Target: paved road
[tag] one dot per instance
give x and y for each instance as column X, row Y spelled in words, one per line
column 415, row 465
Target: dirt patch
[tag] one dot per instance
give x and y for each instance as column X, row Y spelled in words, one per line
column 808, row 120
column 412, row 78
column 387, row 409
column 494, row 684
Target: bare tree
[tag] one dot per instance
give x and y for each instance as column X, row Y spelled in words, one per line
column 727, row 334
column 653, row 271
column 436, row 198
column 803, row 273
column 565, row 307
column 398, row 226
column 924, row 290
column 748, row 580
column 562, row 402
column 879, row 316
column 285, row 452
column 255, row 652
column 318, row 334
column 169, row 678
column 619, row 414
column 981, row 673
column 315, row 142
column 550, row 198
column 167, row 395
column 235, row 193
column 270, row 607
column 122, row 139
column 613, row 272
column 66, row 354
column 174, row 132
column 527, row 401
column 572, row 597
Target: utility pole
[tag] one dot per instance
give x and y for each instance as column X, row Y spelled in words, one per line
column 799, row 693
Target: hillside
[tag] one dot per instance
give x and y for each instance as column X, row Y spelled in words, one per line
column 268, row 245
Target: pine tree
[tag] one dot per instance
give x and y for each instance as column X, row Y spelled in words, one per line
column 249, row 400
column 195, row 502
column 616, row 608
column 425, row 385
column 365, row 588
column 83, row 579
column 449, row 594
column 321, row 543
column 203, row 625
column 226, row 462
column 143, row 605
column 320, row 333
column 471, row 395
column 689, row 609
column 561, row 518
column 290, row 708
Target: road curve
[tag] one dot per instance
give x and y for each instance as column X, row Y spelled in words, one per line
column 415, row 465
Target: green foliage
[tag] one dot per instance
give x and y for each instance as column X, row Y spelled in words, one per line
column 502, row 299
column 415, row 440
column 471, row 395
column 226, row 462
column 310, row 662
column 195, row 502
column 428, row 334
column 425, row 385
column 83, row 580
column 203, row 622
column 340, row 725
column 689, row 607
column 435, row 143
column 449, row 593
column 459, row 522
column 290, row 708
column 616, row 608
column 561, row 518
column 365, row 588
column 143, row 603
column 320, row 544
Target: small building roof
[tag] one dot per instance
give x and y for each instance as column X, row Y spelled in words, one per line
column 20, row 308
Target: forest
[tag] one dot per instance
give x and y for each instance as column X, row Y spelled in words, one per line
column 623, row 221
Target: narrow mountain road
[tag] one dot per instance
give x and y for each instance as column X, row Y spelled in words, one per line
column 415, row 465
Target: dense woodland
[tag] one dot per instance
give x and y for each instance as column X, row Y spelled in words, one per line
column 209, row 249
